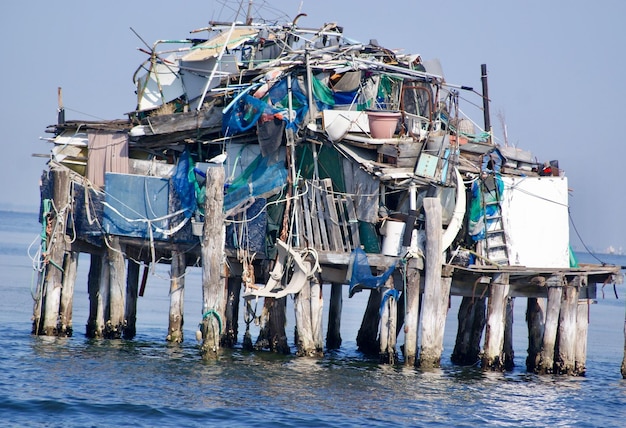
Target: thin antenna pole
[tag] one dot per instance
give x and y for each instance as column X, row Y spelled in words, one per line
column 249, row 14
column 483, row 73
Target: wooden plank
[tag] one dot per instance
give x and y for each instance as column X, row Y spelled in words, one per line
column 318, row 208
column 343, row 223
column 333, row 224
column 353, row 222
column 308, row 231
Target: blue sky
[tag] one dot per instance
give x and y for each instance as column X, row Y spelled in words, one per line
column 556, row 76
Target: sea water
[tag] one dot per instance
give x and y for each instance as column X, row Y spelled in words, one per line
column 83, row 382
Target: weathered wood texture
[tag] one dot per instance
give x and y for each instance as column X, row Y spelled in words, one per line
column 555, row 291
column 508, row 351
column 114, row 322
column 213, row 288
column 535, row 319
column 582, row 328
column 93, row 289
column 177, row 298
column 436, row 289
column 132, row 291
column 471, row 323
column 56, row 253
column 493, row 353
column 307, row 307
column 388, row 319
column 231, row 329
column 67, row 293
column 366, row 340
column 333, row 335
column 411, row 319
column 566, row 356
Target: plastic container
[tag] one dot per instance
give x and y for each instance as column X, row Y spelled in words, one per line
column 383, row 123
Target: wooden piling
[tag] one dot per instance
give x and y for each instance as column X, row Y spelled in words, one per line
column 507, row 348
column 56, row 253
column 566, row 355
column 411, row 319
column 535, row 319
column 177, row 297
column 436, row 289
column 93, row 289
column 231, row 328
column 366, row 339
column 493, row 353
column 213, row 289
column 67, row 293
column 115, row 322
column 308, row 321
column 555, row 291
column 471, row 323
column 317, row 307
column 132, row 291
column 333, row 335
column 582, row 328
column 102, row 297
column 388, row 319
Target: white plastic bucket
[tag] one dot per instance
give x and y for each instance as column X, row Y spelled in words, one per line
column 393, row 234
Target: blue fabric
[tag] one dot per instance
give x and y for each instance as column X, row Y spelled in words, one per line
column 183, row 184
column 391, row 293
column 362, row 276
column 243, row 115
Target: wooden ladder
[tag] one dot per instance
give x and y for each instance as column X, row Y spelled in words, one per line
column 496, row 249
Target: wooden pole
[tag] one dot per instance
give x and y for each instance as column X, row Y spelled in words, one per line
column 117, row 290
column 582, row 327
column 177, row 297
column 67, row 293
column 305, row 346
column 566, row 355
column 333, row 336
column 213, row 290
column 132, row 291
column 56, row 253
column 471, row 323
column 411, row 318
column 103, row 297
column 509, row 352
column 555, row 291
column 232, row 312
column 93, row 288
column 317, row 306
column 434, row 289
column 535, row 319
column 493, row 354
column 366, row 340
column 388, row 320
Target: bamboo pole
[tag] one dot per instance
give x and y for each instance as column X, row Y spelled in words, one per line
column 132, row 291
column 411, row 319
column 434, row 289
column 333, row 336
column 555, row 291
column 493, row 354
column 177, row 297
column 213, row 290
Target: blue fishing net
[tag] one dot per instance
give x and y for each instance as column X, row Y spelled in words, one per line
column 362, row 276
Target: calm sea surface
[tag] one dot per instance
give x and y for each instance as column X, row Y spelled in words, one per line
column 146, row 382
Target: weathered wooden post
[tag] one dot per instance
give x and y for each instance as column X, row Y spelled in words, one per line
column 333, row 335
column 411, row 319
column 67, row 293
column 471, row 324
column 582, row 327
column 436, row 289
column 493, row 353
column 132, row 291
column 103, row 297
column 307, row 318
column 56, row 253
column 317, row 307
column 93, row 289
column 232, row 311
column 366, row 340
column 535, row 319
column 555, row 291
column 507, row 347
column 387, row 335
column 213, row 289
column 177, row 297
column 115, row 323
column 566, row 355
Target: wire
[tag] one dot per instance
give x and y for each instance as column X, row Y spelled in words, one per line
column 581, row 239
